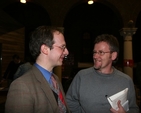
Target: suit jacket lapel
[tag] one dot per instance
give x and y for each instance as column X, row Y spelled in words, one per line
column 46, row 89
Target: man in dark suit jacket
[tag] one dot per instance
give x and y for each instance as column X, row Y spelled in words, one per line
column 32, row 92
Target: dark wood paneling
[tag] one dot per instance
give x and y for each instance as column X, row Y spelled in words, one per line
column 12, row 43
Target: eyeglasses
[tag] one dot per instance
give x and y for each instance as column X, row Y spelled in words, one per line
column 61, row 47
column 101, row 53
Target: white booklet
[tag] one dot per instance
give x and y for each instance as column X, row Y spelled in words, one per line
column 122, row 96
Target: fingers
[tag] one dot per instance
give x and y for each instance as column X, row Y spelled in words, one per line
column 120, row 110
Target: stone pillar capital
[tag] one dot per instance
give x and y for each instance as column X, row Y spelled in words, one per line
column 127, row 31
column 62, row 29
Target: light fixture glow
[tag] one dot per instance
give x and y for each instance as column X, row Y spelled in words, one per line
column 23, row 1
column 90, row 2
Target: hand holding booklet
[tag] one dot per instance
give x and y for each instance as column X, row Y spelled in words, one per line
column 122, row 96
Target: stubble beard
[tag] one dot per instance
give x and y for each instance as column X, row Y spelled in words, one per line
column 97, row 67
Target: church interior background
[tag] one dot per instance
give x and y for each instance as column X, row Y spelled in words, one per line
column 80, row 22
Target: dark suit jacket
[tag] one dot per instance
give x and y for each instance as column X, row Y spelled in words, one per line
column 31, row 93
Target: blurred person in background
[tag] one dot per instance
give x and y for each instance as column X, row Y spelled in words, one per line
column 23, row 67
column 11, row 69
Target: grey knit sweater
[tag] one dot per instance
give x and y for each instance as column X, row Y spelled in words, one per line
column 88, row 90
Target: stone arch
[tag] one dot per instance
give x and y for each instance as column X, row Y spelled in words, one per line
column 136, row 10
column 30, row 15
column 74, row 33
column 63, row 10
column 113, row 7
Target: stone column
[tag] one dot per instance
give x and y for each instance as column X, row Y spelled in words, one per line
column 58, row 71
column 128, row 55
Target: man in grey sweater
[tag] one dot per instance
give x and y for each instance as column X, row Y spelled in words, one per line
column 90, row 88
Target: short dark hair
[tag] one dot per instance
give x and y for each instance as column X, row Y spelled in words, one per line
column 111, row 40
column 42, row 35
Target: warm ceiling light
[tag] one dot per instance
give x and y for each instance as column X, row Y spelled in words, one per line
column 23, row 1
column 90, row 2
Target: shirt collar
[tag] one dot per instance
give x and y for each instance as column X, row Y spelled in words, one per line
column 45, row 72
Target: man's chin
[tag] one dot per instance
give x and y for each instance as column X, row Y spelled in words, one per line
column 96, row 68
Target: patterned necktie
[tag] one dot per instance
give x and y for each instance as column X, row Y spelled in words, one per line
column 54, row 82
column 61, row 102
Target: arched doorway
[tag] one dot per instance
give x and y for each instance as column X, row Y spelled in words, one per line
column 84, row 22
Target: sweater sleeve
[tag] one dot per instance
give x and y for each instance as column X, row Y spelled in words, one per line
column 72, row 95
column 133, row 108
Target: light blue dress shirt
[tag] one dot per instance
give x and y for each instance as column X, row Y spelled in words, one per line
column 45, row 73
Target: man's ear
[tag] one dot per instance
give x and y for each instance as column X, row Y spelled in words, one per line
column 114, row 55
column 45, row 49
